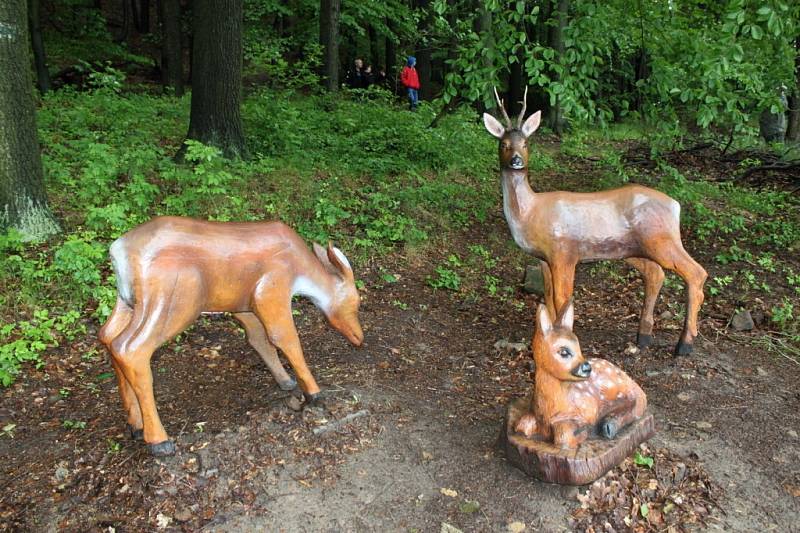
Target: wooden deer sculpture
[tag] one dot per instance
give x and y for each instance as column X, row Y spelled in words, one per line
column 171, row 269
column 575, row 398
column 635, row 223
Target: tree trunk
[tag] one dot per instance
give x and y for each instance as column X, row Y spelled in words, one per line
column 217, row 66
column 141, row 15
column 555, row 120
column 171, row 51
column 23, row 204
column 515, row 81
column 329, row 39
column 125, row 30
column 391, row 57
column 423, row 56
column 484, row 28
column 793, row 130
column 39, row 58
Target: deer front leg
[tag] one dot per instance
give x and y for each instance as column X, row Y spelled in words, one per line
column 278, row 321
column 547, row 278
column 565, row 437
column 257, row 337
column 653, row 276
column 562, row 271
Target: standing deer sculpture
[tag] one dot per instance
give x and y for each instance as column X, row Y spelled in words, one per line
column 171, row 269
column 635, row 223
column 573, row 398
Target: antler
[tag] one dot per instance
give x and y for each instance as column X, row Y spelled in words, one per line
column 502, row 109
column 521, row 116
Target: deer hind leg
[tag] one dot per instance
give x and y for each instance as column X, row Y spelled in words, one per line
column 257, row 337
column 155, row 320
column 653, row 276
column 116, row 323
column 675, row 258
column 547, row 277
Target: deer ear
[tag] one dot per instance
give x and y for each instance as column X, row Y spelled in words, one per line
column 339, row 262
column 321, row 254
column 493, row 126
column 543, row 321
column 532, row 124
column 567, row 315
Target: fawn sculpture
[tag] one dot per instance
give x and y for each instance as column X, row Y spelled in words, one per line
column 171, row 269
column 573, row 397
column 583, row 416
column 635, row 223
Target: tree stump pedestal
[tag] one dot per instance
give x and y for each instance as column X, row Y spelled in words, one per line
column 552, row 464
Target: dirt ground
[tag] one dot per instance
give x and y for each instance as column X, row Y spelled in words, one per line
column 427, row 393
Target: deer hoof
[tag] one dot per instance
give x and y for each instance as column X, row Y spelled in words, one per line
column 643, row 341
column 287, row 385
column 162, row 449
column 609, row 428
column 135, row 434
column 683, row 348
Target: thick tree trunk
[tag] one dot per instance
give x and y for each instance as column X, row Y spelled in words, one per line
column 329, row 39
column 484, row 29
column 171, row 51
column 793, row 130
column 141, row 15
column 34, row 23
column 217, row 68
column 555, row 120
column 23, row 204
column 423, row 56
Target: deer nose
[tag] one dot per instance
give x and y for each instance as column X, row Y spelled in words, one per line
column 582, row 370
column 517, row 162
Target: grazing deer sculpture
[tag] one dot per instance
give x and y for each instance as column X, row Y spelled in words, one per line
column 575, row 398
column 171, row 269
column 635, row 223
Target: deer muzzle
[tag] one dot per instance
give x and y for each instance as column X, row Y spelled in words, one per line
column 582, row 370
column 516, row 163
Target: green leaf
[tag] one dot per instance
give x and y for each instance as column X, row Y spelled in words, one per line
column 104, row 376
column 756, row 32
column 643, row 460
column 644, row 510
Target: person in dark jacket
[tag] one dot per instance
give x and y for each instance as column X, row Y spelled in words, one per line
column 410, row 80
column 355, row 78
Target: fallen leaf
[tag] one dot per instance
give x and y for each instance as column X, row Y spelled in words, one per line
column 469, row 506
column 516, row 527
column 449, row 492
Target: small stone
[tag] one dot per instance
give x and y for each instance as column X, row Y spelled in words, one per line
column 652, row 373
column 742, row 321
column 516, row 527
column 792, row 433
column 294, row 403
column 632, row 349
column 447, row 528
column 183, row 514
column 533, row 283
column 61, row 473
column 760, row 371
column 702, row 425
column 54, row 398
column 666, row 315
column 426, row 456
column 684, row 396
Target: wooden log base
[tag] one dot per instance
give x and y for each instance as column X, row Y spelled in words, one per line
column 547, row 462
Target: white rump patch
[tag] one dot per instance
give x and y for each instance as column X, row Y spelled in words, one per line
column 342, row 258
column 305, row 287
column 122, row 270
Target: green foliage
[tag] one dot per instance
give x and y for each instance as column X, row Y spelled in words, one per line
column 643, row 460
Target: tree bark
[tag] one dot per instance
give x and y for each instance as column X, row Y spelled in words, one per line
column 23, row 204
column 793, row 129
column 329, row 39
column 423, row 56
column 391, row 57
column 484, row 29
column 555, row 120
column 39, row 58
column 171, row 51
column 217, row 67
column 141, row 15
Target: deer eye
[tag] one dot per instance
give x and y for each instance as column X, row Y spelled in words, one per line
column 506, row 147
column 566, row 353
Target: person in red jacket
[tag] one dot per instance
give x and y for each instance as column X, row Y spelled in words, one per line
column 410, row 80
